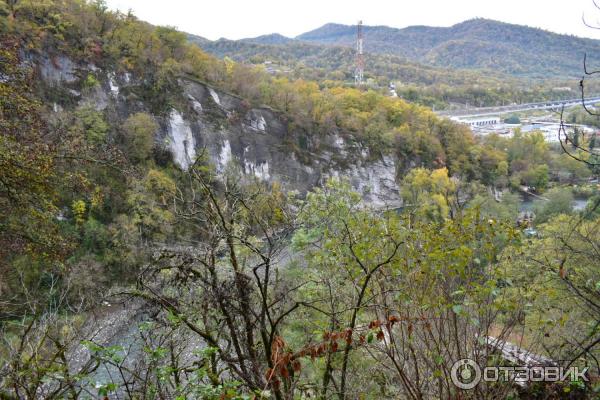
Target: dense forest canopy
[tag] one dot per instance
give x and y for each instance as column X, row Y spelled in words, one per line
column 232, row 287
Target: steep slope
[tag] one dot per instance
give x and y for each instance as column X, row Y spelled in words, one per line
column 102, row 72
column 255, row 141
column 477, row 43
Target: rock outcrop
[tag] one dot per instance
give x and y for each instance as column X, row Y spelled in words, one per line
column 258, row 141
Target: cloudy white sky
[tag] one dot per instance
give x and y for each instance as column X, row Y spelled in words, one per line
column 235, row 19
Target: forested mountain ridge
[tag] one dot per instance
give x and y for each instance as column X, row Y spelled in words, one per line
column 173, row 225
column 479, row 61
column 337, row 61
column 429, row 85
column 473, row 44
column 477, row 43
column 273, row 38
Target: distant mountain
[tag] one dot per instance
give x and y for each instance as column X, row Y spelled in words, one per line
column 316, row 61
column 274, row 48
column 477, row 62
column 473, row 44
column 199, row 40
column 273, row 38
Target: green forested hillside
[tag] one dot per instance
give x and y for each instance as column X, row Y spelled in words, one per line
column 433, row 86
column 337, row 62
column 93, row 173
column 126, row 273
column 474, row 44
column 481, row 62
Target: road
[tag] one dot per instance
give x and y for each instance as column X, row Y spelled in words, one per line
column 487, row 111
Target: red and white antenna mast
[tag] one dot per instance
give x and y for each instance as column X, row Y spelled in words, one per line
column 360, row 60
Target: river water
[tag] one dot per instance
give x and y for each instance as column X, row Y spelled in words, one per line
column 527, row 203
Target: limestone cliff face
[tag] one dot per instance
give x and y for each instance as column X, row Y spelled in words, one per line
column 256, row 141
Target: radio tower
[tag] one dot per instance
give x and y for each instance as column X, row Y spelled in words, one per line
column 360, row 61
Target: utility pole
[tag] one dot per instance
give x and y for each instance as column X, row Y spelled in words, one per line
column 360, row 61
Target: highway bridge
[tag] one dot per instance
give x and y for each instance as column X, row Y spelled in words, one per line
column 544, row 105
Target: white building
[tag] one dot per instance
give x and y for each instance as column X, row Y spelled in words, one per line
column 479, row 122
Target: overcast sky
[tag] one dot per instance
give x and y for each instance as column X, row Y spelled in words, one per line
column 236, row 19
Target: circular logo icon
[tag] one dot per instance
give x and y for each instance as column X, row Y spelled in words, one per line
column 465, row 374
